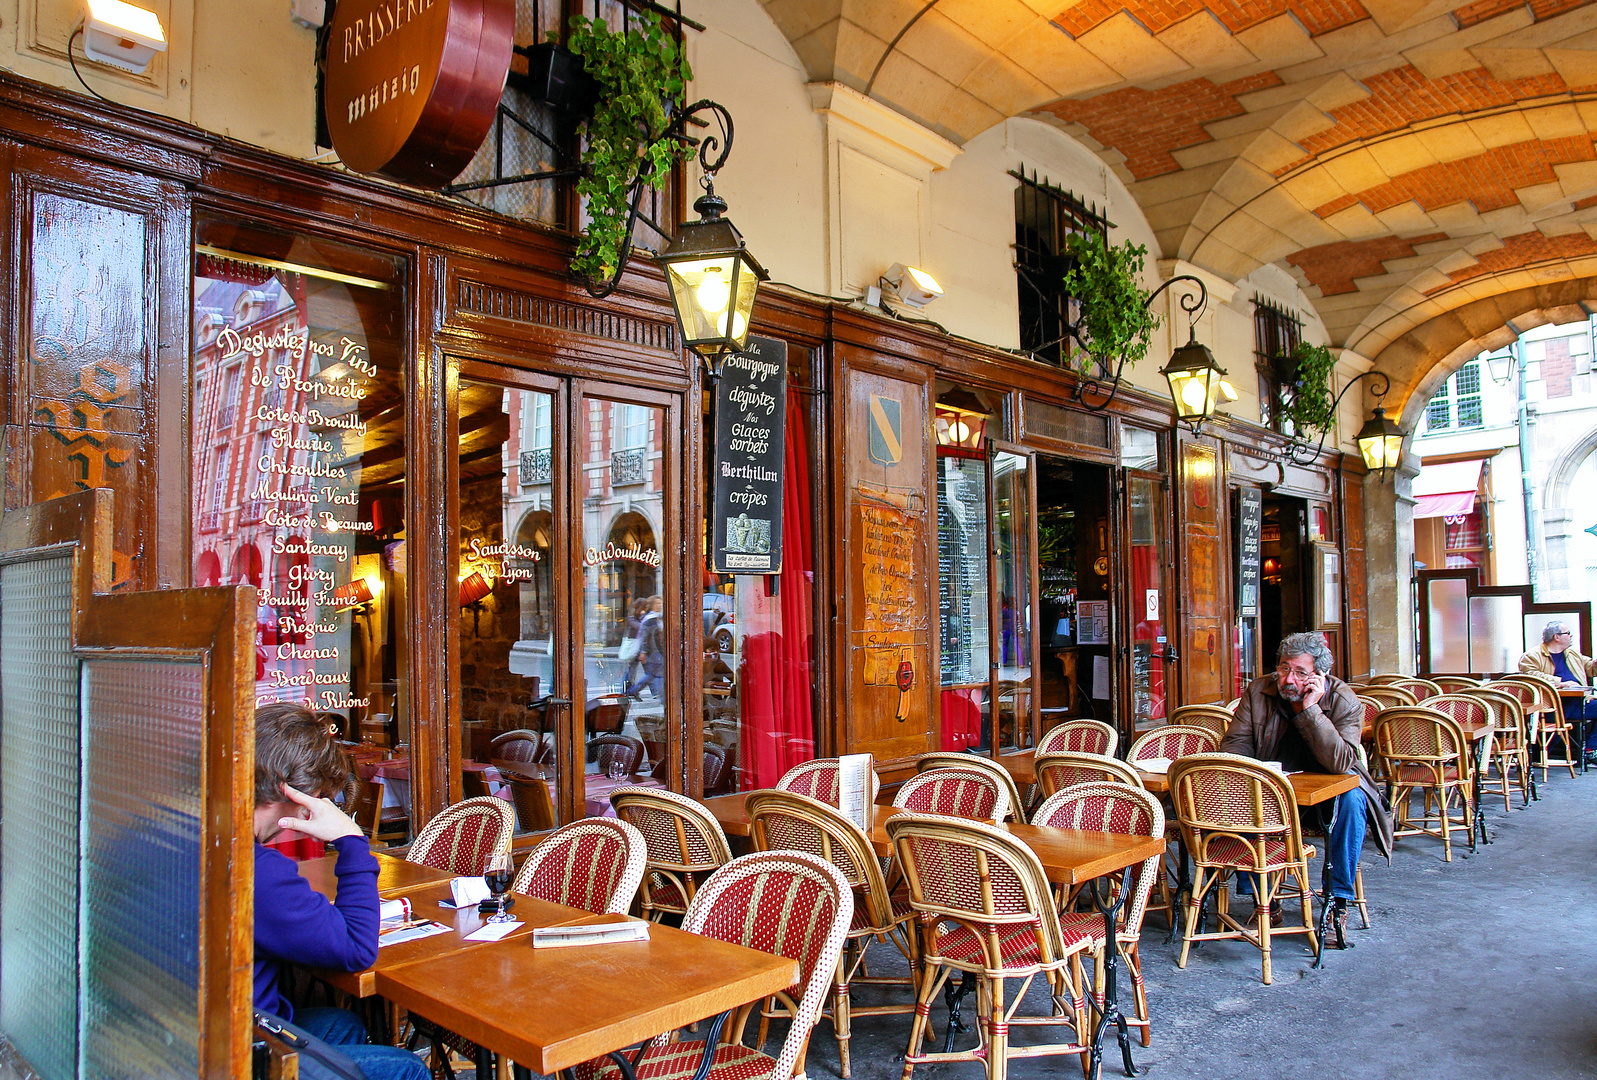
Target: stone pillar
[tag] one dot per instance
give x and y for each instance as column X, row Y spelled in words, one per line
column 1389, row 562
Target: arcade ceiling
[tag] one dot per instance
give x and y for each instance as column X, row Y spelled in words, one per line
column 1410, row 162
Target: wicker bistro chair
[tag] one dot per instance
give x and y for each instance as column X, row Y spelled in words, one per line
column 522, row 745
column 789, row 903
column 622, row 750
column 1424, row 750
column 1079, row 737
column 1214, row 717
column 1056, row 772
column 1388, row 696
column 1386, row 678
column 1239, row 816
column 940, row 759
column 1539, row 695
column 1173, row 741
column 595, row 864
column 818, row 780
column 1105, row 807
column 366, row 810
column 462, row 837
column 1452, row 684
column 685, row 844
column 986, row 911
column 1509, row 749
column 966, row 793
column 535, row 808
column 1420, row 688
column 787, row 821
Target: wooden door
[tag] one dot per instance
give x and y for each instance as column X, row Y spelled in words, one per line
column 1204, row 622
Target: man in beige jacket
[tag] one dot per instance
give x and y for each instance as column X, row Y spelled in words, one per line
column 1559, row 658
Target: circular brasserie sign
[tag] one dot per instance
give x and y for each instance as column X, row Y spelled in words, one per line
column 412, row 86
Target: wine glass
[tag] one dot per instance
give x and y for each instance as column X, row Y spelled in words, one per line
column 498, row 875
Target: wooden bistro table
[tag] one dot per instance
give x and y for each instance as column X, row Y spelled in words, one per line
column 550, row 1009
column 1068, row 857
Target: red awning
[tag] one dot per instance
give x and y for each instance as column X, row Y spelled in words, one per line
column 1446, row 490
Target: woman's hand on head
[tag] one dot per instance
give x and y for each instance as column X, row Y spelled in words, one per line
column 317, row 817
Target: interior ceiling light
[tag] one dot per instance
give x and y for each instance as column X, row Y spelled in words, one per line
column 121, row 34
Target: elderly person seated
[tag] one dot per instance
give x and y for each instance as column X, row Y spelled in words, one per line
column 1310, row 721
column 1559, row 658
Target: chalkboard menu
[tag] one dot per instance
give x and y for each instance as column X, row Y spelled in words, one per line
column 750, row 437
column 1250, row 521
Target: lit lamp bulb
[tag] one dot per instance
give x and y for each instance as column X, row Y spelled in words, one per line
column 959, row 431
column 714, row 292
column 739, row 323
column 1194, row 394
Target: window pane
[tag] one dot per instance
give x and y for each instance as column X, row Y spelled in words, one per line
column 298, row 348
column 965, row 633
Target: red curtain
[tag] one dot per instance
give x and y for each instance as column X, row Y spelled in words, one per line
column 777, row 728
column 1146, row 633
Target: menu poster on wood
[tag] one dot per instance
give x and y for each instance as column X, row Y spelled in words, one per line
column 750, row 439
column 1250, row 527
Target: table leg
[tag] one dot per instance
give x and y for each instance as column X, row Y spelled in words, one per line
column 1475, row 793
column 1183, row 892
column 485, row 1063
column 1109, row 1011
column 953, row 996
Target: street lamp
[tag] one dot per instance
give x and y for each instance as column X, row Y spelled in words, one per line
column 713, row 281
column 1195, row 380
column 1381, row 443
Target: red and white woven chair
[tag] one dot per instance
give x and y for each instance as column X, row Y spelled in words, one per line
column 785, row 821
column 1510, row 749
column 818, row 780
column 1423, row 750
column 1388, row 696
column 956, row 792
column 1236, row 816
column 1079, row 737
column 1055, row 772
column 940, row 759
column 785, row 902
column 1214, row 717
column 1452, row 684
column 1173, row 741
column 1544, row 714
column 685, row 845
column 594, row 864
column 1114, row 808
column 1420, row 688
column 986, row 910
column 463, row 836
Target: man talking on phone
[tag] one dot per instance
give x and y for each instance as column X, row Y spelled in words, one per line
column 1310, row 721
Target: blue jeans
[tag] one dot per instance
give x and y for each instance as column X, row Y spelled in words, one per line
column 1342, row 847
column 1573, row 711
column 343, row 1029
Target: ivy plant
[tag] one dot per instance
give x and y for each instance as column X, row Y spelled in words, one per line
column 639, row 74
column 1115, row 320
column 1310, row 405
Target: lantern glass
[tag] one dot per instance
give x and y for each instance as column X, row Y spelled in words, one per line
column 1380, row 443
column 714, row 298
column 1194, row 380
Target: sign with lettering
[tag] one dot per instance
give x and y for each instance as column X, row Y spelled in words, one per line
column 750, row 440
column 412, row 86
column 1250, row 527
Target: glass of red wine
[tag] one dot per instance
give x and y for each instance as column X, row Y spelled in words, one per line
column 498, row 874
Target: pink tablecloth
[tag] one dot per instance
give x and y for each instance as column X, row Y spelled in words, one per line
column 597, row 788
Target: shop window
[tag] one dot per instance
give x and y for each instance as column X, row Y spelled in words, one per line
column 299, row 466
column 1465, row 539
column 1457, row 405
column 1276, row 332
column 1044, row 216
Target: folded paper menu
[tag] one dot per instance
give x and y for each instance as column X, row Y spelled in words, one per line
column 412, row 930
column 394, row 911
column 562, row 937
column 466, row 892
column 1154, row 765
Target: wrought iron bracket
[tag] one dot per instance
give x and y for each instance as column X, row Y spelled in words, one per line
column 1193, row 303
column 1295, row 449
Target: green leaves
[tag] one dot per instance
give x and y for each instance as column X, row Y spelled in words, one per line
column 1311, row 402
column 1115, row 319
column 640, row 74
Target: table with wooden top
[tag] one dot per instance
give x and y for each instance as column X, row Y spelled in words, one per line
column 395, row 876
column 1068, row 857
column 1308, row 789
column 550, row 1009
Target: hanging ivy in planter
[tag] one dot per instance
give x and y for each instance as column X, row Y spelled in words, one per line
column 1115, row 320
column 1306, row 370
column 640, row 74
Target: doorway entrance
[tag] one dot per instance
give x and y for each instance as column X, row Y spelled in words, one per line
column 1074, row 530
column 1283, row 552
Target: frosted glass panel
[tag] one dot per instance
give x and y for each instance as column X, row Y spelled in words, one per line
column 140, row 915
column 1449, row 625
column 39, row 806
column 1496, row 633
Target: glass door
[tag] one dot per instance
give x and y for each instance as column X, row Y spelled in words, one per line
column 1010, row 598
column 564, row 632
column 1153, row 654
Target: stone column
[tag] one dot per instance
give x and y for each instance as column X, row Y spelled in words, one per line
column 1389, row 567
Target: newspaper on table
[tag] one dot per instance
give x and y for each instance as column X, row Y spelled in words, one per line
column 854, row 788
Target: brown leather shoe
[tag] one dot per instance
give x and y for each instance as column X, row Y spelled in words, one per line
column 1277, row 917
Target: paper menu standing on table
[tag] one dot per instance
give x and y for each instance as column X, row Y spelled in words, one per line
column 854, row 788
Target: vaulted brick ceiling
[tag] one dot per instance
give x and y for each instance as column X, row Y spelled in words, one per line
column 1402, row 158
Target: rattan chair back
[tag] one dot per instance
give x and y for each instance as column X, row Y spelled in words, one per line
column 957, row 792
column 1538, row 693
column 521, row 744
column 1385, row 678
column 984, row 882
column 939, row 759
column 683, row 840
column 462, row 838
column 1214, row 717
column 1116, row 808
column 1388, row 696
column 788, row 821
column 819, row 780
column 595, row 864
column 1466, row 709
column 622, row 750
column 1055, row 772
column 535, row 808
column 1173, row 741
column 1420, row 688
column 1420, row 737
column 1452, row 684
column 1079, row 737
column 1229, row 807
column 752, row 901
column 1508, row 715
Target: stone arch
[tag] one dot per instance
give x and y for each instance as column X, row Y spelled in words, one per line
column 535, row 530
column 1557, row 523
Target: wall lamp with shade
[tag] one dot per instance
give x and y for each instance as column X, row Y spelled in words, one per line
column 474, row 588
column 121, row 34
column 1500, row 365
column 356, row 594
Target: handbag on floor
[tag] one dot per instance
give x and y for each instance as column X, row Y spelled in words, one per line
column 318, row 1060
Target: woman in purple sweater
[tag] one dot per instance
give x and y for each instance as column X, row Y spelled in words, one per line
column 297, row 755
